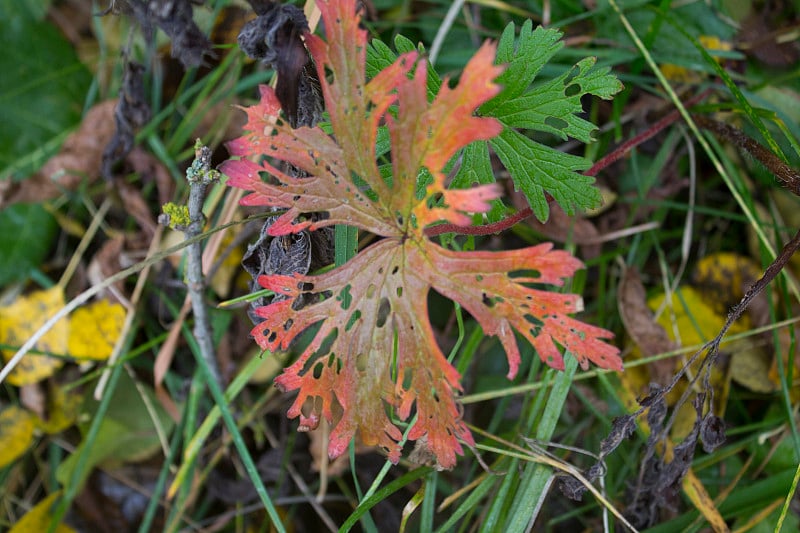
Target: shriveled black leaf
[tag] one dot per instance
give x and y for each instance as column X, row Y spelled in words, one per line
column 656, row 392
column 571, row 487
column 673, row 472
column 640, row 514
column 132, row 112
column 712, row 432
column 595, row 471
column 299, row 253
column 274, row 38
column 642, row 511
column 621, row 428
column 175, row 18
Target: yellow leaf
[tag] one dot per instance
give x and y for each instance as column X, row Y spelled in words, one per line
column 723, row 277
column 678, row 73
column 39, row 518
column 63, row 405
column 691, row 320
column 16, row 434
column 750, row 366
column 20, row 320
column 95, row 330
column 691, row 317
column 697, row 493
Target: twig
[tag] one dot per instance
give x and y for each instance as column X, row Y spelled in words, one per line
column 191, row 222
column 787, row 176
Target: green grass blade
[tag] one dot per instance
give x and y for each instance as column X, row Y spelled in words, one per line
column 535, row 479
column 382, row 494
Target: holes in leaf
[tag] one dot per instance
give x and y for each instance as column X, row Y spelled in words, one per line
column 363, row 186
column 371, row 290
column 524, row 274
column 384, row 309
column 305, row 286
column 478, row 278
column 288, row 324
column 572, row 89
column 399, row 292
column 326, row 345
column 352, row 320
column 408, row 379
column 345, row 298
column 319, row 368
column 435, row 200
column 556, row 123
column 265, row 176
column 272, row 336
column 533, row 320
column 395, row 269
column 488, row 302
column 361, row 362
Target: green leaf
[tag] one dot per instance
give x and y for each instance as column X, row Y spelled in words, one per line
column 28, row 233
column 550, row 107
column 476, row 168
column 42, row 89
column 380, row 56
column 127, row 432
column 537, row 168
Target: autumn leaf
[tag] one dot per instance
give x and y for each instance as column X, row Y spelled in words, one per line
column 40, row 518
column 95, row 329
column 373, row 354
column 16, row 434
column 20, row 320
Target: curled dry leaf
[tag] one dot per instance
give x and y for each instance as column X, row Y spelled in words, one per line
column 79, row 159
column 107, row 262
column 136, row 206
column 642, row 327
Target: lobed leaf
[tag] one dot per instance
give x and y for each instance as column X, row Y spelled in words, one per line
column 374, row 358
column 550, row 107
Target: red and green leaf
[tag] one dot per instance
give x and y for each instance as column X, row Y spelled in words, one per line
column 374, row 356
